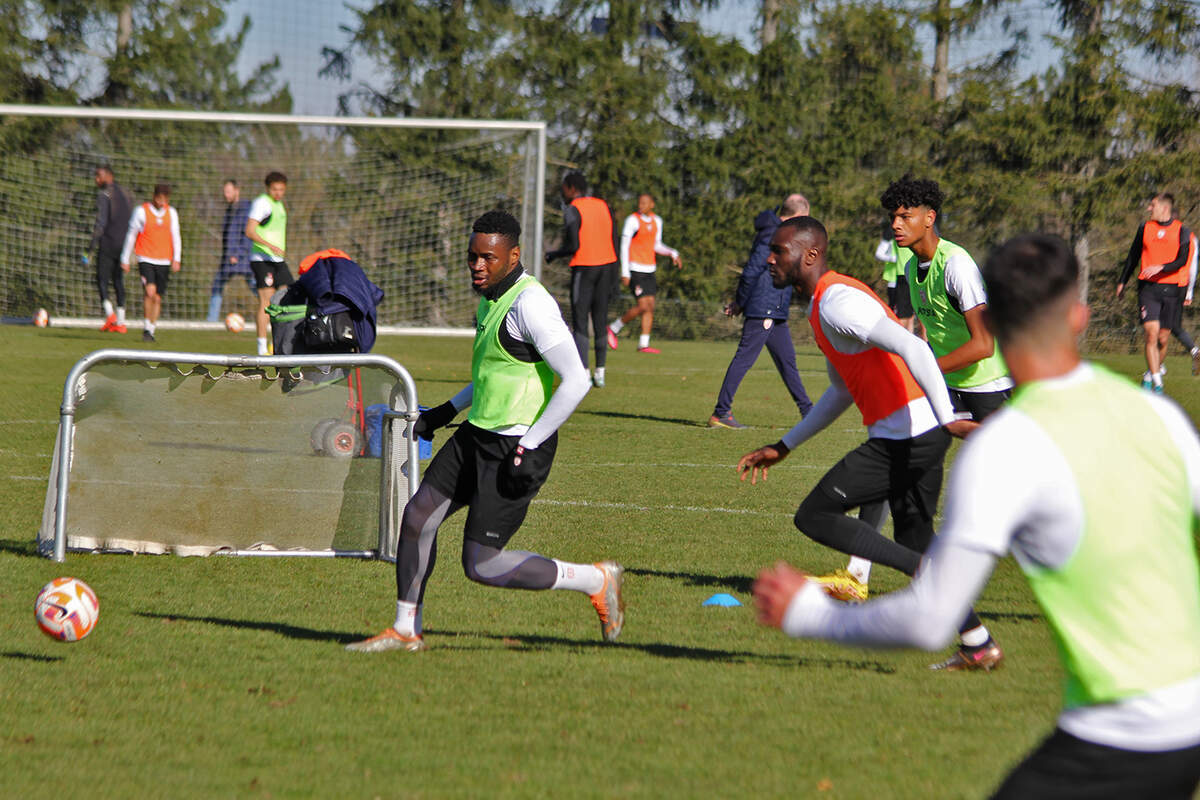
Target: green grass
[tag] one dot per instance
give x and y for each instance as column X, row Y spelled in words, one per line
column 226, row 677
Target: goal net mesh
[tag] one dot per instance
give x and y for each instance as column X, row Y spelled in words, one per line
column 400, row 201
column 193, row 460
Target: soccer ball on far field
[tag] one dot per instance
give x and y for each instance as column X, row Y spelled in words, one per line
column 41, row 318
column 66, row 609
column 235, row 322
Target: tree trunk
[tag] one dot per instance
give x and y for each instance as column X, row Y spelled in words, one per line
column 940, row 87
column 124, row 27
column 1082, row 252
column 770, row 21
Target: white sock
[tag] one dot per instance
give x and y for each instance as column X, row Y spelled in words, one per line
column 262, row 345
column 1156, row 379
column 1195, row 350
column 644, row 340
column 599, row 373
column 976, row 637
column 150, row 327
column 1162, row 370
column 408, row 618
column 860, row 568
column 1146, row 375
column 120, row 315
column 586, row 578
column 616, row 325
column 108, row 309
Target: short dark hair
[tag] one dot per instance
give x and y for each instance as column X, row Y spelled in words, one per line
column 274, row 177
column 1168, row 197
column 499, row 222
column 910, row 193
column 104, row 168
column 576, row 181
column 231, row 182
column 1024, row 277
column 808, row 225
column 163, row 189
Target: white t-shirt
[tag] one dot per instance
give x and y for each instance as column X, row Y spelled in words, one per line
column 1011, row 489
column 964, row 284
column 260, row 209
column 628, row 230
column 137, row 224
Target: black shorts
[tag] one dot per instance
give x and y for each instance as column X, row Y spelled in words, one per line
column 1065, row 767
column 1160, row 302
column 465, row 470
column 899, row 299
column 643, row 284
column 979, row 404
column 158, row 274
column 905, row 472
column 270, row 274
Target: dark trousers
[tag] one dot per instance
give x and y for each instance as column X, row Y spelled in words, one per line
column 108, row 268
column 590, row 288
column 778, row 340
column 1065, row 767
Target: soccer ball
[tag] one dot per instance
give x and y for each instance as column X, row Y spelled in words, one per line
column 235, row 322
column 41, row 318
column 66, row 609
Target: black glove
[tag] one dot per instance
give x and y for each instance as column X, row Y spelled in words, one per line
column 522, row 470
column 433, row 418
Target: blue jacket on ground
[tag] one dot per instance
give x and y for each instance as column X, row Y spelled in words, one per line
column 335, row 284
column 757, row 296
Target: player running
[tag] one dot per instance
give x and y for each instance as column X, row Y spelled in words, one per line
column 496, row 461
column 154, row 236
column 891, row 375
column 1115, row 572
column 641, row 241
column 1160, row 252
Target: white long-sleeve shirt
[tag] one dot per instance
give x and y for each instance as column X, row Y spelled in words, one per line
column 854, row 323
column 137, row 224
column 1011, row 489
column 629, row 230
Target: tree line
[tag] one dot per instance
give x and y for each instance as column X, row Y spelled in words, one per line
column 832, row 99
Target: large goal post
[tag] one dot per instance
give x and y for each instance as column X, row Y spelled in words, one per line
column 397, row 194
column 202, row 453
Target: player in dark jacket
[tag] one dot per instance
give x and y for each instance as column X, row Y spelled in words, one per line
column 766, row 319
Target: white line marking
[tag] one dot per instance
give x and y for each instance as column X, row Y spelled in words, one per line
column 633, row 507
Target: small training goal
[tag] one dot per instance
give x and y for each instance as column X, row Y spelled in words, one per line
column 201, row 453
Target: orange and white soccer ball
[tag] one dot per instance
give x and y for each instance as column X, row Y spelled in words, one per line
column 41, row 318
column 66, row 609
column 235, row 322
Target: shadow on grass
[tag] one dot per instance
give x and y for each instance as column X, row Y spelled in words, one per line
column 283, row 629
column 443, row 640
column 691, row 423
column 30, row 656
column 1010, row 616
column 18, row 547
column 737, row 583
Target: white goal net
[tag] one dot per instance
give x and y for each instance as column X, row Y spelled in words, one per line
column 195, row 453
column 395, row 194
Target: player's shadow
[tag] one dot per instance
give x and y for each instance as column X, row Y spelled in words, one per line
column 734, row 583
column 283, row 629
column 1010, row 616
column 18, row 548
column 690, row 423
column 30, row 656
column 536, row 643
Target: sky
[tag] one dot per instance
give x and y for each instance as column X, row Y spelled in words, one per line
column 296, row 30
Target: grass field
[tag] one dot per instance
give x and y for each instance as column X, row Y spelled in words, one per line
column 226, row 677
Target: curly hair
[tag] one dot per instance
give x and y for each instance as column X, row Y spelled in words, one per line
column 911, row 193
column 500, row 222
